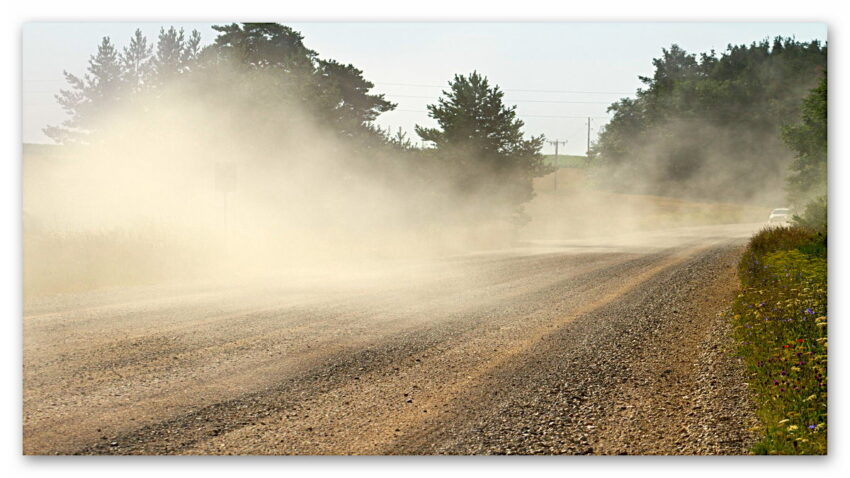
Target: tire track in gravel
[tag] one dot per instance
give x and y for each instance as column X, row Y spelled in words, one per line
column 480, row 382
column 60, row 425
column 362, row 377
column 460, row 363
column 622, row 388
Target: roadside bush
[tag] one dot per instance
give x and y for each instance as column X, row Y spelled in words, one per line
column 780, row 318
column 814, row 216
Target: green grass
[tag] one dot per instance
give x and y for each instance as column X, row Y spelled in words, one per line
column 566, row 160
column 781, row 324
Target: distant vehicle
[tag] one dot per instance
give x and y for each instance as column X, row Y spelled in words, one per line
column 779, row 216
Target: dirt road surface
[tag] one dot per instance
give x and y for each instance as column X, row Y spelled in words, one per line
column 555, row 347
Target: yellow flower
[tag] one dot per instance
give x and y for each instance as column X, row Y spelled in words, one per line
column 792, row 428
column 782, row 422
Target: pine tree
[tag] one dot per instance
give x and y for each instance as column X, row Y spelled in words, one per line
column 483, row 138
column 168, row 61
column 136, row 62
column 91, row 96
column 192, row 49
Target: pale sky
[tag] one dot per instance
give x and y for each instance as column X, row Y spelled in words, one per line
column 557, row 74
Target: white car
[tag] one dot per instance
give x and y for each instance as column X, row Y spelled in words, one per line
column 779, row 216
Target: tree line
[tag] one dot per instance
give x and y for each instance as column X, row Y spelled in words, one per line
column 711, row 125
column 478, row 161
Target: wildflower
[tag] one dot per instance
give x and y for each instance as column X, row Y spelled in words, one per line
column 792, row 428
column 809, row 311
column 811, row 427
column 783, row 422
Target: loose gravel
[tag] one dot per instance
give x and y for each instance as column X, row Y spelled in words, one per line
column 620, row 351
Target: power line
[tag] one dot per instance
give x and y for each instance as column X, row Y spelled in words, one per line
column 62, row 80
column 515, row 89
column 514, row 101
column 522, row 116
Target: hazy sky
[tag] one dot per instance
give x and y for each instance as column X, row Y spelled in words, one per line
column 557, row 74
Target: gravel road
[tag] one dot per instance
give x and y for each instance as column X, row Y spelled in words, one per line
column 556, row 347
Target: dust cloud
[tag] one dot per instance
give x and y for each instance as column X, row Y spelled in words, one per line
column 183, row 187
column 180, row 186
column 697, row 160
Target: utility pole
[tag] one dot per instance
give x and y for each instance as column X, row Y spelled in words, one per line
column 557, row 163
column 588, row 139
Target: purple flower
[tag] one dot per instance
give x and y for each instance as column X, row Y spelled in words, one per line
column 809, row 311
column 811, row 427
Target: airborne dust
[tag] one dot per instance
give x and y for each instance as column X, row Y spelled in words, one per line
column 181, row 188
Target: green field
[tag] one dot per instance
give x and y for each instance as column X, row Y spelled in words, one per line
column 566, row 160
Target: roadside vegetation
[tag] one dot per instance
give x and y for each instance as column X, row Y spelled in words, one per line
column 781, row 312
column 780, row 319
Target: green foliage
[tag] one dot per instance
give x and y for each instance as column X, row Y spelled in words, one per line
column 775, row 239
column 90, row 96
column 808, row 140
column 114, row 80
column 780, row 321
column 260, row 84
column 807, row 181
column 815, row 215
column 136, row 62
column 709, row 126
column 329, row 92
column 482, row 141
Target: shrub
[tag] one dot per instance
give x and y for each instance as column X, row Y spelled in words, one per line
column 815, row 215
